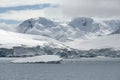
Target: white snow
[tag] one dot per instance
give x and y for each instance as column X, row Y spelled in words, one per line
column 10, row 39
column 42, row 58
column 111, row 41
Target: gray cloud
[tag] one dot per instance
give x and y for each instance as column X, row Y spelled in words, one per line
column 26, row 7
column 99, row 8
column 93, row 8
column 66, row 9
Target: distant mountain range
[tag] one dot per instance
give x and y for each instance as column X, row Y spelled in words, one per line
column 80, row 27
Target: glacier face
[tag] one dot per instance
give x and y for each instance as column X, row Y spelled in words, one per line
column 80, row 27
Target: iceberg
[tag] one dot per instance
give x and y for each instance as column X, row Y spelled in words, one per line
column 39, row 59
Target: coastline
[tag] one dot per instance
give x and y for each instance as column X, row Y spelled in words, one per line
column 8, row 60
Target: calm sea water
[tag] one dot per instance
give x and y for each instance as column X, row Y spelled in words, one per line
column 84, row 70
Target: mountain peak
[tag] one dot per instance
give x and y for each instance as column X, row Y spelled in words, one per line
column 27, row 24
column 83, row 23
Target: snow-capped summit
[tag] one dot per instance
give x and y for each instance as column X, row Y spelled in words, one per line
column 80, row 27
column 95, row 26
column 40, row 23
column 26, row 25
column 47, row 23
column 83, row 23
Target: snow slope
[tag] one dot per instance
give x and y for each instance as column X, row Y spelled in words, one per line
column 111, row 41
column 11, row 39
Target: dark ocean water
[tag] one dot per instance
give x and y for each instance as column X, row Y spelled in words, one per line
column 84, row 70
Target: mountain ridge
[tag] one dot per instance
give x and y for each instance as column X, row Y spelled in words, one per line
column 79, row 27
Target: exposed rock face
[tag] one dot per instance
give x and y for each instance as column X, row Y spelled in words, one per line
column 26, row 25
column 6, row 52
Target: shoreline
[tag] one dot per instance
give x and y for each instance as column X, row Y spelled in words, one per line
column 8, row 60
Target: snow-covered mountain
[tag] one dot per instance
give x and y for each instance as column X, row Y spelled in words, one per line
column 80, row 37
column 80, row 27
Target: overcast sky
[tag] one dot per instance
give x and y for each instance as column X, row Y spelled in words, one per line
column 14, row 11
